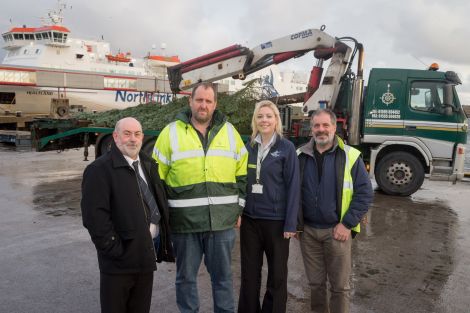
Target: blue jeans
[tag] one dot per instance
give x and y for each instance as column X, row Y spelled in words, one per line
column 217, row 248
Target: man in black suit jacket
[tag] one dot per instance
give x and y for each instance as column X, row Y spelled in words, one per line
column 122, row 223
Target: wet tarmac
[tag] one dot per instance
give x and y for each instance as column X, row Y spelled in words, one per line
column 413, row 256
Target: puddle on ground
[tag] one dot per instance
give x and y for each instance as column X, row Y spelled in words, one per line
column 59, row 197
column 408, row 246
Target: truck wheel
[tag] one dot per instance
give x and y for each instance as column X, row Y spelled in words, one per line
column 104, row 145
column 399, row 174
column 148, row 145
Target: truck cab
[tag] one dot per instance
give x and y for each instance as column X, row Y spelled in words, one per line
column 414, row 124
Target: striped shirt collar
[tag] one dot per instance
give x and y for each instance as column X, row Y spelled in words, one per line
column 271, row 142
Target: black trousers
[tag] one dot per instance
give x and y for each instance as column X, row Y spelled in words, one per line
column 258, row 237
column 126, row 293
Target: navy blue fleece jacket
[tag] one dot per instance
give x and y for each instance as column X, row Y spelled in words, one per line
column 281, row 188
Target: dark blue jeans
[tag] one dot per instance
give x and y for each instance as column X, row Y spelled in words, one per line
column 217, row 248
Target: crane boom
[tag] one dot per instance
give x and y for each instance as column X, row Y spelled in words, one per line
column 238, row 61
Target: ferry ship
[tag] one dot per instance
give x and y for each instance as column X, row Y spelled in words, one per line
column 48, row 52
column 47, row 71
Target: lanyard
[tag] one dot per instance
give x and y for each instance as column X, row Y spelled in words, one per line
column 260, row 157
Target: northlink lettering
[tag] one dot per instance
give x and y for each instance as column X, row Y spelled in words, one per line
column 143, row 97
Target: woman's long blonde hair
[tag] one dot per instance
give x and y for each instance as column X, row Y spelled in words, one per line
column 273, row 107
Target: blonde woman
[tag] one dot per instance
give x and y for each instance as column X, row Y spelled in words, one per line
column 270, row 216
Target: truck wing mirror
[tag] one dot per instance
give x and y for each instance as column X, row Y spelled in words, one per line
column 448, row 104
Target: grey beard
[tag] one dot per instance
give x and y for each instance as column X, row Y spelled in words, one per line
column 325, row 142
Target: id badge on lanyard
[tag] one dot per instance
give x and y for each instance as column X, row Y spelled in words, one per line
column 258, row 188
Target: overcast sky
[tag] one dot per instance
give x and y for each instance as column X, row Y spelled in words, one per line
column 398, row 34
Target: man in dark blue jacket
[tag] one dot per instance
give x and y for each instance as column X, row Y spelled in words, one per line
column 336, row 193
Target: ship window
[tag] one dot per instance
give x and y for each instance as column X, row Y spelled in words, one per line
column 38, row 36
column 25, row 51
column 57, row 37
column 119, row 83
column 7, row 98
column 29, row 36
column 37, row 51
column 17, row 76
column 79, row 56
column 18, row 36
column 45, row 35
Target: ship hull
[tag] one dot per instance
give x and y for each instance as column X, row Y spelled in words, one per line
column 37, row 100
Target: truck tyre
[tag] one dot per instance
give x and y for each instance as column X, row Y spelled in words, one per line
column 148, row 145
column 104, row 145
column 399, row 174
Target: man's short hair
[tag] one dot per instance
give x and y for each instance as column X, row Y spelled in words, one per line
column 205, row 85
column 117, row 127
column 324, row 111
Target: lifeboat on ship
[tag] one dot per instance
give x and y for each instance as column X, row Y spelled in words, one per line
column 120, row 57
column 162, row 61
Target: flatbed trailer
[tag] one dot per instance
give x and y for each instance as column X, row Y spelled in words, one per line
column 62, row 134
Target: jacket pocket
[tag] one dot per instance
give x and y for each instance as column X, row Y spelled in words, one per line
column 230, row 187
column 126, row 234
column 277, row 198
column 180, row 192
column 272, row 195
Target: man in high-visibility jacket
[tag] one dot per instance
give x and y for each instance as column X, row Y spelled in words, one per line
column 202, row 160
column 335, row 194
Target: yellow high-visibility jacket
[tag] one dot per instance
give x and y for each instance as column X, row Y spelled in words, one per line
column 206, row 188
